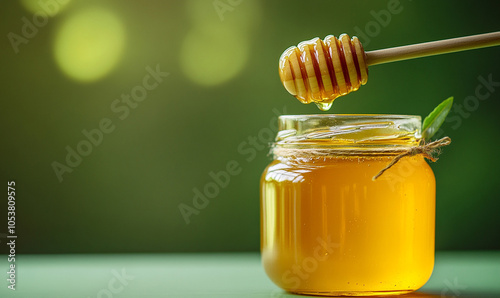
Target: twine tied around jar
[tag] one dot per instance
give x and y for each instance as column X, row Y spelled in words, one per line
column 429, row 151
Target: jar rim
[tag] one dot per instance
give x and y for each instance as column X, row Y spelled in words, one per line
column 375, row 116
column 348, row 130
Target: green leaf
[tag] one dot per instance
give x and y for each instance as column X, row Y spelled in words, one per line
column 434, row 120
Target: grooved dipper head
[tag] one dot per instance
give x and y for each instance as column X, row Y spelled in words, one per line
column 321, row 70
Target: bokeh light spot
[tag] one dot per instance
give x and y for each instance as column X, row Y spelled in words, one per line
column 213, row 58
column 204, row 15
column 89, row 44
column 48, row 7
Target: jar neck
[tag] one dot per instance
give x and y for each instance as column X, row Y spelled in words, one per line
column 348, row 132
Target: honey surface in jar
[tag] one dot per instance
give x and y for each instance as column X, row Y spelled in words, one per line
column 327, row 225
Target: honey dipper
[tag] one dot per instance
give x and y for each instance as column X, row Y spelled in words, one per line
column 321, row 70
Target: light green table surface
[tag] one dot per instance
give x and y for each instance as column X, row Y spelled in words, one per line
column 456, row 274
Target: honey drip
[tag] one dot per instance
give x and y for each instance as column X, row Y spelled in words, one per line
column 319, row 71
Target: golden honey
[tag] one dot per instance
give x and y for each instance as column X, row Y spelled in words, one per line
column 319, row 71
column 327, row 228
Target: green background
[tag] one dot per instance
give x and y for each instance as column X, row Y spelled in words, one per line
column 125, row 195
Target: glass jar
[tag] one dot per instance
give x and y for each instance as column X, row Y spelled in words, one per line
column 328, row 228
